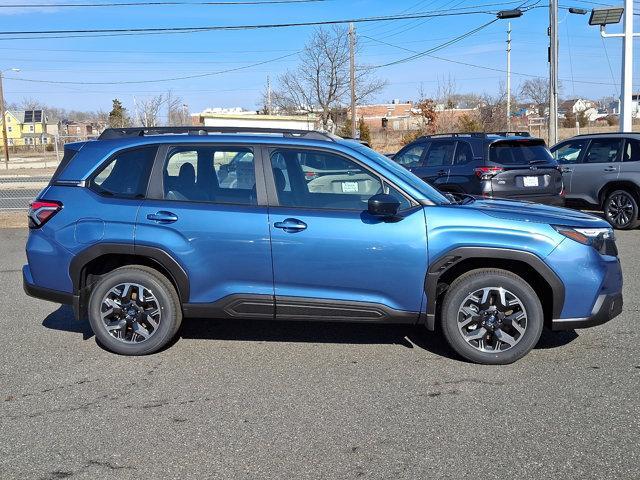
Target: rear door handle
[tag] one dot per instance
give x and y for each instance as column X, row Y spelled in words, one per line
column 442, row 173
column 611, row 169
column 566, row 169
column 291, row 225
column 163, row 217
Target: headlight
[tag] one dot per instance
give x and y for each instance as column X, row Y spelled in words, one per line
column 602, row 239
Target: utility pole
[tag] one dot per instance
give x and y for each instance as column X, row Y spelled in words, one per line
column 352, row 77
column 509, row 77
column 168, row 108
column 4, row 126
column 268, row 95
column 553, row 72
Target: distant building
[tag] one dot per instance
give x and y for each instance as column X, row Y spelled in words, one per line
column 248, row 119
column 26, row 128
column 393, row 116
column 83, row 129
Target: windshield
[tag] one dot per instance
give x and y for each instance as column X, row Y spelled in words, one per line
column 401, row 172
column 518, row 152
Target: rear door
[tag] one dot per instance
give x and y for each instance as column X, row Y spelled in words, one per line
column 527, row 169
column 435, row 163
column 462, row 174
column 212, row 219
column 568, row 155
column 599, row 165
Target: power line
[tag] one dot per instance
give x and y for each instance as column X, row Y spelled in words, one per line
column 159, row 80
column 484, row 67
column 141, row 3
column 438, row 47
column 163, row 30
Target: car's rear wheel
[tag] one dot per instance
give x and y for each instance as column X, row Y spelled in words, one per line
column 621, row 210
column 134, row 310
column 491, row 316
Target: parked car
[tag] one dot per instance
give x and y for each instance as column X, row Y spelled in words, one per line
column 603, row 171
column 502, row 165
column 137, row 230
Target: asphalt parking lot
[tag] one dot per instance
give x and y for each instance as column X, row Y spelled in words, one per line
column 306, row 401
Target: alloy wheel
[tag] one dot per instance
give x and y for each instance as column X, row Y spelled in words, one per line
column 492, row 319
column 130, row 312
column 620, row 209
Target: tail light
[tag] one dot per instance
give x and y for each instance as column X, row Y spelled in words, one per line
column 41, row 211
column 310, row 176
column 485, row 173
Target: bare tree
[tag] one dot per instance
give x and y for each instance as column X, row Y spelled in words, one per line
column 177, row 111
column 147, row 110
column 320, row 83
column 30, row 103
column 493, row 112
column 537, row 91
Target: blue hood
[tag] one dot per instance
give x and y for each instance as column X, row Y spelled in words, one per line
column 537, row 213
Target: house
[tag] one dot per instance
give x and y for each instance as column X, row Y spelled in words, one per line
column 249, row 119
column 26, row 127
column 575, row 106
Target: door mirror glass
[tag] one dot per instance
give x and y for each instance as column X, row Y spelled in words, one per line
column 383, row 205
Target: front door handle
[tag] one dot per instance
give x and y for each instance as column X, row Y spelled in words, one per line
column 291, row 225
column 611, row 169
column 566, row 169
column 163, row 217
column 442, row 173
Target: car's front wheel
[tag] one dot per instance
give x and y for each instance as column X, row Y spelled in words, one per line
column 134, row 310
column 491, row 316
column 621, row 210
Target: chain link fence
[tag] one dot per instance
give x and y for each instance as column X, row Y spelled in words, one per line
column 18, row 189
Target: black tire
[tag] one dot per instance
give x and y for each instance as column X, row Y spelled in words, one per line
column 167, row 300
column 469, row 283
column 621, row 210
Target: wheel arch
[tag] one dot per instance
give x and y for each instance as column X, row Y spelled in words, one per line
column 104, row 257
column 527, row 265
column 626, row 185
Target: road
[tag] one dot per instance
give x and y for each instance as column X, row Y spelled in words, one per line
column 252, row 400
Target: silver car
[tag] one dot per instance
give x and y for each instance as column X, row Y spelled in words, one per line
column 603, row 171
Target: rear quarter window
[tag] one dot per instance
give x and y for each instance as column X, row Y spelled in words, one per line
column 126, row 174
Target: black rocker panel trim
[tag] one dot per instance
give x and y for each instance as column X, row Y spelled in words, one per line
column 452, row 257
column 297, row 308
column 234, row 306
column 157, row 255
column 314, row 309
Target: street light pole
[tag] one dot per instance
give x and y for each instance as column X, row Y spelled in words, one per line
column 627, row 69
column 553, row 72
column 352, row 77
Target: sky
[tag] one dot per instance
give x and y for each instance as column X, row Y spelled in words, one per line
column 589, row 66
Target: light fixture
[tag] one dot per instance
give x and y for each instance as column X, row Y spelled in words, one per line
column 606, row 16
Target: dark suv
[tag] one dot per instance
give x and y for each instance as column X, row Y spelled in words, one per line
column 603, row 171
column 506, row 165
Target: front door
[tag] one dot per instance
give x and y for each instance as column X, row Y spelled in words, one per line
column 207, row 215
column 598, row 166
column 568, row 155
column 331, row 259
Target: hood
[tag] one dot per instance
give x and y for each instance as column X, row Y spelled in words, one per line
column 535, row 212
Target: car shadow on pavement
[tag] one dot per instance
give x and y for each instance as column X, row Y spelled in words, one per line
column 408, row 336
column 63, row 319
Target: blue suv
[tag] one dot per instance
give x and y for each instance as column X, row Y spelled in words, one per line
column 146, row 226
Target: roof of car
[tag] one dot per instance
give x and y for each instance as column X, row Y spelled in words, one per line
column 486, row 137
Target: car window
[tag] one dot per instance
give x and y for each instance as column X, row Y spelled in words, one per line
column 210, row 174
column 569, row 152
column 464, row 154
column 411, row 156
column 346, row 186
column 520, row 152
column 632, row 151
column 127, row 174
column 440, row 154
column 603, row 150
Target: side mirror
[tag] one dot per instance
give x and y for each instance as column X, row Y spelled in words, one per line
column 383, row 205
